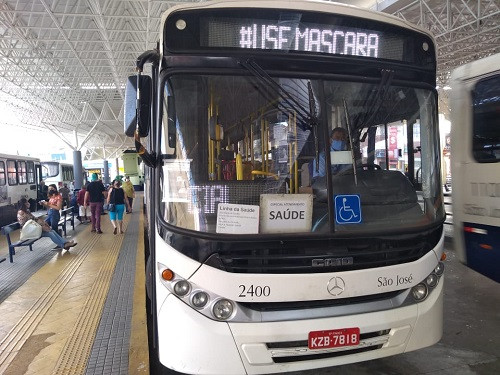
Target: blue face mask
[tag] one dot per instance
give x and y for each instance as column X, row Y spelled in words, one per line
column 337, row 146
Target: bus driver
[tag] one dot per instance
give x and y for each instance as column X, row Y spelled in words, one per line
column 338, row 142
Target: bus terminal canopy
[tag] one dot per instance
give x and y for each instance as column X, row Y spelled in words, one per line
column 65, row 63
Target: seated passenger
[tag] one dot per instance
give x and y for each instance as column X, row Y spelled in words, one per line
column 338, row 142
column 24, row 214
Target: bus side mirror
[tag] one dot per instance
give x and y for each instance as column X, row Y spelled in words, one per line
column 134, row 109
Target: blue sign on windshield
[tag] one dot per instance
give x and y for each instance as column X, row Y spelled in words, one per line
column 347, row 209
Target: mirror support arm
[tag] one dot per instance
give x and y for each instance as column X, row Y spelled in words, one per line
column 152, row 56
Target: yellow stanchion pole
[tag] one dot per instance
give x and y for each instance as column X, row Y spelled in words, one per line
column 262, row 147
column 290, row 156
column 239, row 168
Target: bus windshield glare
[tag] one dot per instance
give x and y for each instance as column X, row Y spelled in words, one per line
column 244, row 157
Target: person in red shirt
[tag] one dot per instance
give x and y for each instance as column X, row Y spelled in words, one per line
column 53, row 205
column 82, row 209
column 93, row 198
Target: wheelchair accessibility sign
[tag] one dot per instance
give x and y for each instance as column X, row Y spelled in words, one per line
column 347, row 209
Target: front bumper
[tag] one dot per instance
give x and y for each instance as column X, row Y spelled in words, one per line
column 191, row 343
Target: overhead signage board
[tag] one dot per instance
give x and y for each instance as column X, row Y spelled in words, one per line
column 294, row 32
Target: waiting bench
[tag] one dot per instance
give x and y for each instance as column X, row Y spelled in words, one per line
column 67, row 215
column 6, row 230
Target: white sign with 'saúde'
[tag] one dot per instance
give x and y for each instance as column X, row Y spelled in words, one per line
column 285, row 213
column 237, row 218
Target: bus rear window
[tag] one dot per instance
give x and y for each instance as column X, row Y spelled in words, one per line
column 21, row 171
column 12, row 172
column 2, row 173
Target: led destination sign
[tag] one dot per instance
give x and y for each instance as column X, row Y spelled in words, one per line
column 334, row 41
column 301, row 37
column 264, row 31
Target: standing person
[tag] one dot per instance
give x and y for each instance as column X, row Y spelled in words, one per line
column 53, row 205
column 42, row 193
column 116, row 195
column 128, row 188
column 24, row 214
column 82, row 209
column 93, row 197
column 64, row 191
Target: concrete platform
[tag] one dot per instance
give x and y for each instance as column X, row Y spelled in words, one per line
column 70, row 312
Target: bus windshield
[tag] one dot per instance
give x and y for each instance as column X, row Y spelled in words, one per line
column 242, row 155
column 50, row 169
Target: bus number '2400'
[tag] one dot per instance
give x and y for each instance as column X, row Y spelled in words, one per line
column 254, row 291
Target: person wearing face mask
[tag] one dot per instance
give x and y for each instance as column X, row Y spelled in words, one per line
column 54, row 204
column 338, row 142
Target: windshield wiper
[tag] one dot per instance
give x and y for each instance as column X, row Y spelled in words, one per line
column 348, row 123
column 259, row 73
column 375, row 101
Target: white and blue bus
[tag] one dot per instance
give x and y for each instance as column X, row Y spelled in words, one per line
column 259, row 260
column 19, row 178
column 475, row 155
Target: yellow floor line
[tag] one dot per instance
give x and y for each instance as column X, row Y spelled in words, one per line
column 138, row 350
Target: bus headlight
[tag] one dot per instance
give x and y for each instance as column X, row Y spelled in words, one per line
column 181, row 288
column 207, row 303
column 199, row 299
column 439, row 269
column 432, row 280
column 223, row 309
column 420, row 292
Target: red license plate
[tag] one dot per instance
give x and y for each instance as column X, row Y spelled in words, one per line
column 333, row 338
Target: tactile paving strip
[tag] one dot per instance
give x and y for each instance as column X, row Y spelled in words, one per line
column 111, row 346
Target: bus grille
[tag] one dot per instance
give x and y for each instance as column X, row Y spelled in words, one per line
column 316, row 256
column 297, row 305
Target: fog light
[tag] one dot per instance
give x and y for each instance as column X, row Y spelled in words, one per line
column 223, row 309
column 432, row 280
column 419, row 292
column 181, row 288
column 439, row 269
column 199, row 300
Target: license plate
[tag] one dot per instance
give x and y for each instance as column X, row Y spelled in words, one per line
column 333, row 338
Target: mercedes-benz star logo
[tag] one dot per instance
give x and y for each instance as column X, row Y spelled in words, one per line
column 336, row 286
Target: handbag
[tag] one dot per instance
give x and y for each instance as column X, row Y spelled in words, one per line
column 31, row 230
column 111, row 206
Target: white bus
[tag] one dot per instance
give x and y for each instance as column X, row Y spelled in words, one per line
column 132, row 168
column 260, row 259
column 475, row 154
column 54, row 172
column 19, row 178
